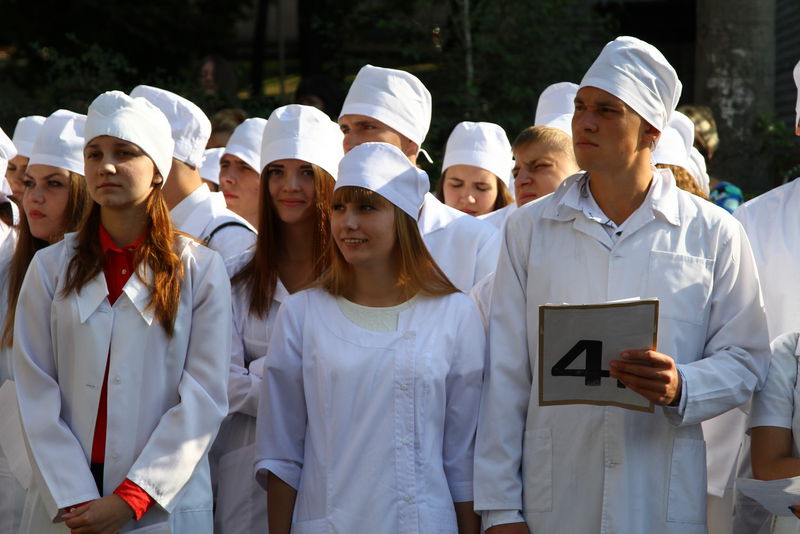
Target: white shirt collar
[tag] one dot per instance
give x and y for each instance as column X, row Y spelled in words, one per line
column 184, row 209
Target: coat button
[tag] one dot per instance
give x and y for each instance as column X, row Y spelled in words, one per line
column 408, row 335
column 403, row 387
column 117, row 380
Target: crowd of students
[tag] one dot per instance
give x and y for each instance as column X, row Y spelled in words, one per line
column 326, row 346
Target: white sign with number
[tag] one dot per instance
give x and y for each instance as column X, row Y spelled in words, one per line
column 576, row 344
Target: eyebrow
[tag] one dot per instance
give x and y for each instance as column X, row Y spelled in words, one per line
column 45, row 177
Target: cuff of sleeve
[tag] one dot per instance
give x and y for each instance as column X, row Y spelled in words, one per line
column 289, row 472
column 138, row 499
column 491, row 518
column 461, row 491
column 675, row 414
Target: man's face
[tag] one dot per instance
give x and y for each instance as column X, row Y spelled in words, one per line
column 538, row 171
column 607, row 134
column 359, row 129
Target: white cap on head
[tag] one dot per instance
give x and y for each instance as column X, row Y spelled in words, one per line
column 190, row 126
column 60, row 142
column 384, row 169
column 639, row 75
column 699, row 170
column 7, row 151
column 395, row 97
column 480, row 144
column 25, row 134
column 796, row 75
column 305, row 133
column 209, row 170
column 676, row 141
column 245, row 142
column 556, row 106
column 134, row 120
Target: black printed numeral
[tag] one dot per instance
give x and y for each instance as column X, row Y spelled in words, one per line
column 592, row 371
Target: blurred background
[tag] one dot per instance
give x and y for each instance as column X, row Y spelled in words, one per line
column 482, row 60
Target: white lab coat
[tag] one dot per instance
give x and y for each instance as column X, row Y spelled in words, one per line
column 202, row 211
column 374, row 429
column 580, row 468
column 241, row 502
column 498, row 217
column 778, row 405
column 166, row 396
column 8, row 240
column 772, row 223
column 464, row 247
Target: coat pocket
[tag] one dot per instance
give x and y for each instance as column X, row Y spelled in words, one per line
column 313, row 526
column 682, row 284
column 537, row 471
column 687, row 488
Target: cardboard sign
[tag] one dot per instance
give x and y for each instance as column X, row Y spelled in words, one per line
column 576, row 344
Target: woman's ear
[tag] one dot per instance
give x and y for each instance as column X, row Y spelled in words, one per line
column 158, row 179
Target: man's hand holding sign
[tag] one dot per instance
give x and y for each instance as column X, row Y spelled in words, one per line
column 651, row 374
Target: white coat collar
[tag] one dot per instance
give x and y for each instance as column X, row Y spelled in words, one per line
column 95, row 293
column 435, row 215
column 662, row 198
column 183, row 214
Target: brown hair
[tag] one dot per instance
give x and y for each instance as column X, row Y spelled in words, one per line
column 260, row 274
column 78, row 205
column 553, row 138
column 684, row 179
column 156, row 251
column 418, row 272
column 502, row 200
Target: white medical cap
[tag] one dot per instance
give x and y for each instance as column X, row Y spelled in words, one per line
column 60, row 142
column 25, row 134
column 209, row 170
column 480, row 144
column 556, row 106
column 7, row 151
column 796, row 74
column 134, row 120
column 245, row 142
column 675, row 142
column 190, row 126
column 384, row 169
column 639, row 75
column 699, row 170
column 395, row 97
column 305, row 133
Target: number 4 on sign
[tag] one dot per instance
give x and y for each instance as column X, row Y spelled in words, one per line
column 592, row 372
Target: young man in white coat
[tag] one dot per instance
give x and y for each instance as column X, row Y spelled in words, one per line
column 620, row 230
column 194, row 209
column 393, row 106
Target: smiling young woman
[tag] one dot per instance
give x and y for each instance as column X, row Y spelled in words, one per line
column 88, row 364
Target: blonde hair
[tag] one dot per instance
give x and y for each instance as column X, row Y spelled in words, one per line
column 418, row 272
column 684, row 179
column 552, row 138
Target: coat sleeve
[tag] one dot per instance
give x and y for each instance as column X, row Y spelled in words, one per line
column 58, row 458
column 507, row 386
column 185, row 432
column 774, row 405
column 463, row 391
column 488, row 251
column 243, row 386
column 282, row 415
column 736, row 356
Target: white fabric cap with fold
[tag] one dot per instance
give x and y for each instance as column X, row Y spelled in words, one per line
column 395, row 97
column 134, row 120
column 7, row 151
column 699, row 170
column 25, row 134
column 60, row 142
column 638, row 74
column 305, row 133
column 480, row 144
column 384, row 169
column 675, row 142
column 190, row 126
column 209, row 170
column 796, row 74
column 245, row 142
column 556, row 106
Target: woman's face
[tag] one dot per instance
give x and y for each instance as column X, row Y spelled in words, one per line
column 470, row 189
column 291, row 189
column 239, row 182
column 119, row 175
column 15, row 174
column 45, row 198
column 364, row 233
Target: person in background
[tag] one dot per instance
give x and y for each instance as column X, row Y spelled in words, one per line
column 209, row 170
column 366, row 419
column 24, row 136
column 223, row 123
column 393, row 106
column 673, row 152
column 118, row 335
column 194, row 209
column 477, row 169
column 239, row 179
column 9, row 212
